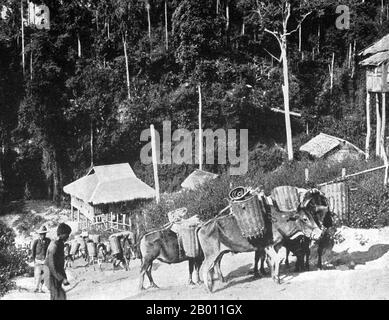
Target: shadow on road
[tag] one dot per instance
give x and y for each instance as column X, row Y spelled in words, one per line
column 359, row 257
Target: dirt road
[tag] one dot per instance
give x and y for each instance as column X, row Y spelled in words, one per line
column 368, row 281
column 357, row 268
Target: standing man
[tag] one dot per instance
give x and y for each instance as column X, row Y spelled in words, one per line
column 55, row 260
column 39, row 250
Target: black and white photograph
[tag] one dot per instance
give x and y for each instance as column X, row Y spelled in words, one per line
column 194, row 150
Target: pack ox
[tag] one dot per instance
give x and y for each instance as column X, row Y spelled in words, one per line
column 315, row 202
column 165, row 245
column 126, row 250
column 222, row 234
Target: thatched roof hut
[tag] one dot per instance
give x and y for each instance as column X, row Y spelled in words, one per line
column 330, row 147
column 197, row 178
column 376, row 63
column 110, row 184
column 105, row 189
column 379, row 46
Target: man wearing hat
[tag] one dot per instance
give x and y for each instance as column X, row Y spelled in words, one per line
column 39, row 249
column 55, row 260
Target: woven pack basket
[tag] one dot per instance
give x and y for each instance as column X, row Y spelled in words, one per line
column 248, row 213
column 92, row 251
column 115, row 245
column 189, row 240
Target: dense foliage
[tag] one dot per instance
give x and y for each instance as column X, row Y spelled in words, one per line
column 78, row 103
column 369, row 198
column 12, row 261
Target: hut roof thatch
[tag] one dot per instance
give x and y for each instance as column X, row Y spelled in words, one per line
column 197, row 178
column 379, row 46
column 323, row 143
column 376, row 59
column 110, row 184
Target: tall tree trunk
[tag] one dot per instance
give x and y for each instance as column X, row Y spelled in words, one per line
column 22, row 26
column 148, row 19
column 227, row 16
column 166, row 31
column 285, row 90
column 353, row 60
column 149, row 25
column 127, row 67
column 300, row 36
column 31, row 67
column 78, row 45
column 332, row 71
column 91, row 143
column 350, row 52
column 318, row 38
column 217, row 6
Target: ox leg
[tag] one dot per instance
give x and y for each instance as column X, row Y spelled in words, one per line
column 198, row 263
column 262, row 269
column 319, row 256
column 143, row 270
column 256, row 260
column 307, row 254
column 274, row 262
column 218, row 269
column 207, row 276
column 148, row 272
column 287, row 257
column 191, row 267
column 126, row 263
column 299, row 262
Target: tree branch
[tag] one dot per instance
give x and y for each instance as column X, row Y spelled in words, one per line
column 278, row 59
column 299, row 24
column 275, row 34
column 285, row 22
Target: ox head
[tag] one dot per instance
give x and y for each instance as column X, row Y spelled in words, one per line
column 130, row 247
column 305, row 223
column 316, row 203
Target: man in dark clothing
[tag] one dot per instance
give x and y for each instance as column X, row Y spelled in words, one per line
column 38, row 255
column 55, row 260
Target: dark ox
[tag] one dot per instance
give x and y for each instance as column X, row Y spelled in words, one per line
column 315, row 202
column 127, row 250
column 221, row 235
column 288, row 228
column 164, row 244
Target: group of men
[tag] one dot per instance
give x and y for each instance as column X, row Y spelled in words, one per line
column 49, row 261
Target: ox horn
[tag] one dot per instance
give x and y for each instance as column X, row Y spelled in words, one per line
column 305, row 203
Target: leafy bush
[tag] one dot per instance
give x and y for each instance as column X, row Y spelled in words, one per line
column 369, row 202
column 268, row 159
column 12, row 261
column 369, row 198
column 28, row 222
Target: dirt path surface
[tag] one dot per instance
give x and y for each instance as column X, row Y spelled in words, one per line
column 366, row 281
column 357, row 267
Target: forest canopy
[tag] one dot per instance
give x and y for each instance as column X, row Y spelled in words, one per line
column 105, row 70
